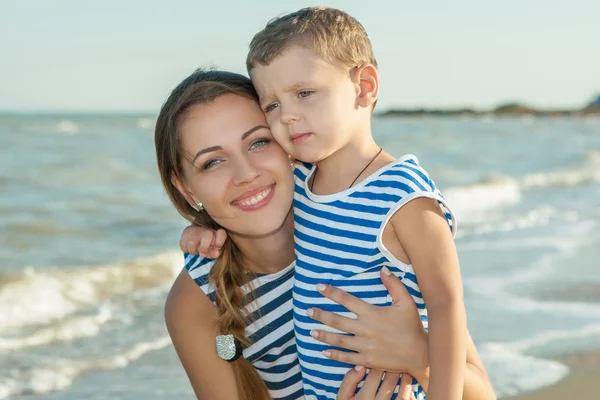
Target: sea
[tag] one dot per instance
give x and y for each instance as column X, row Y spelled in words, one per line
column 89, row 248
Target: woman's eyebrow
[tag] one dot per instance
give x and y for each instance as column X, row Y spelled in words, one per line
column 252, row 130
column 215, row 148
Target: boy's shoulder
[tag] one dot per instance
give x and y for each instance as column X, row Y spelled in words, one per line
column 406, row 169
column 302, row 169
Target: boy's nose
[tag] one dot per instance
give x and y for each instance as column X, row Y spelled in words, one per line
column 289, row 116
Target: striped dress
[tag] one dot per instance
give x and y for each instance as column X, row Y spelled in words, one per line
column 338, row 241
column 270, row 330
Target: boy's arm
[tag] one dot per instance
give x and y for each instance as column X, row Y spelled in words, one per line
column 424, row 235
column 206, row 242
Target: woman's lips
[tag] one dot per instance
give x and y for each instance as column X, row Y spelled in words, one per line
column 255, row 199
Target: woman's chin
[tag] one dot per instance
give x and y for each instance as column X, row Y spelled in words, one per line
column 258, row 228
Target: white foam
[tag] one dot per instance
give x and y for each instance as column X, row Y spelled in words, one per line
column 588, row 172
column 553, row 336
column 499, row 289
column 145, row 123
column 61, row 373
column 513, row 373
column 42, row 297
column 68, row 330
column 540, row 216
column 471, row 203
column 67, row 127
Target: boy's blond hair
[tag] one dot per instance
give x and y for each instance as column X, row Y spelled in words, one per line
column 332, row 34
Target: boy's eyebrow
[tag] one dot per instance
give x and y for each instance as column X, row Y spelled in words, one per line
column 298, row 85
column 215, row 148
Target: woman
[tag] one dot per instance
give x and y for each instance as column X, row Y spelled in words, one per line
column 221, row 168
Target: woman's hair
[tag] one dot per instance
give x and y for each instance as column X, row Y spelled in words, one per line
column 228, row 275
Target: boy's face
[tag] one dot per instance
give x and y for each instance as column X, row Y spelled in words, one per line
column 310, row 104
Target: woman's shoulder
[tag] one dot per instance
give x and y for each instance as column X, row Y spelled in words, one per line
column 185, row 303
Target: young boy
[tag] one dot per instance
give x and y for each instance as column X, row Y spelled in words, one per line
column 357, row 209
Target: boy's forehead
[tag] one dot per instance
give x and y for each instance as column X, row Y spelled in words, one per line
column 295, row 65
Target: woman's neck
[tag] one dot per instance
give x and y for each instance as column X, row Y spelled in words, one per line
column 269, row 254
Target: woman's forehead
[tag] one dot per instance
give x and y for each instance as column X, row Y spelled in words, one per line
column 227, row 115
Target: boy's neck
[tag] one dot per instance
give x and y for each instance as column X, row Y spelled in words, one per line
column 269, row 254
column 340, row 169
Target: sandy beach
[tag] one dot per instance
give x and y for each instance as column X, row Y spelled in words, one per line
column 583, row 381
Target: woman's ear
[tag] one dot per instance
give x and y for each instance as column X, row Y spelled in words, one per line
column 367, row 81
column 183, row 190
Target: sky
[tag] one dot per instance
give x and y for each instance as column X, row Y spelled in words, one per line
column 126, row 55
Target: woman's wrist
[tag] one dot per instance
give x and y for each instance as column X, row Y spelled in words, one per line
column 420, row 370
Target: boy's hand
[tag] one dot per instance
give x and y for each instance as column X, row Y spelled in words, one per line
column 206, row 242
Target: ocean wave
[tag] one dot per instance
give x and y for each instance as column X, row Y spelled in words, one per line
column 500, row 290
column 549, row 337
column 588, row 172
column 145, row 123
column 67, row 127
column 64, row 331
column 41, row 297
column 60, row 374
column 471, row 203
column 514, row 373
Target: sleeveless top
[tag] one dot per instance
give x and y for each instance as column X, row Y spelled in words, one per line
column 270, row 329
column 338, row 241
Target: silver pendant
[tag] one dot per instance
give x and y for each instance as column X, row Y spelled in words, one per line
column 226, row 347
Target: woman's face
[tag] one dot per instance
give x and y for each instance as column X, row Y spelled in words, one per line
column 234, row 167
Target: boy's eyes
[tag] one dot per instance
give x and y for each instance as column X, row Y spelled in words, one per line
column 305, row 93
column 271, row 107
column 301, row 94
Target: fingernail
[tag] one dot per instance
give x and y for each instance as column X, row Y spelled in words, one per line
column 320, row 287
column 310, row 312
column 386, row 271
column 314, row 334
column 327, row 353
column 358, row 368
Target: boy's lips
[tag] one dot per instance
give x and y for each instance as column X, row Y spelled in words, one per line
column 298, row 138
column 256, row 198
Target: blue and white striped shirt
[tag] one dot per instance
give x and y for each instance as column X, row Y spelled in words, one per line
column 270, row 328
column 338, row 241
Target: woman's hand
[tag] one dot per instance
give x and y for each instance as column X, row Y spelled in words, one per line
column 206, row 242
column 387, row 338
column 369, row 389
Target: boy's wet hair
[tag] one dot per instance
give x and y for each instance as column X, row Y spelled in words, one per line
column 332, row 34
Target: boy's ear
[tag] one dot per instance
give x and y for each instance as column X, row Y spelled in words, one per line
column 367, row 79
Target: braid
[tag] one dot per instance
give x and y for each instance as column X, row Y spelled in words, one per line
column 228, row 277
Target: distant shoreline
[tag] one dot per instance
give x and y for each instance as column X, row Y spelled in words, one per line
column 506, row 110
column 503, row 110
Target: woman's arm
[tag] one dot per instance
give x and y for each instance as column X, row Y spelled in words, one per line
column 392, row 338
column 191, row 321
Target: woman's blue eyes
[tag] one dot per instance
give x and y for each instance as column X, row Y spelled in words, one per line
column 260, row 143
column 255, row 145
column 210, row 164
